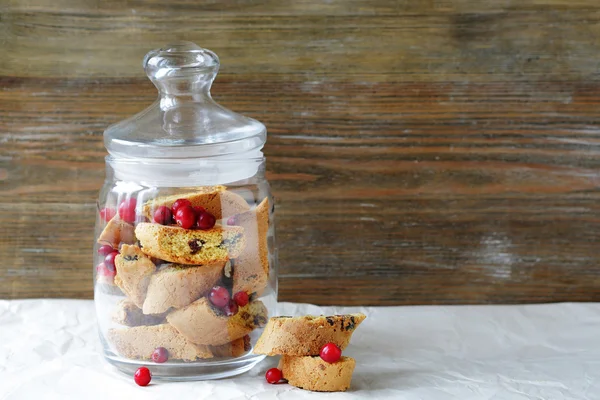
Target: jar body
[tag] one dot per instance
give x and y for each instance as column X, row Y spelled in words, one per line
column 185, row 266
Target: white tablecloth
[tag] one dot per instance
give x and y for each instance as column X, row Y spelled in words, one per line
column 49, row 350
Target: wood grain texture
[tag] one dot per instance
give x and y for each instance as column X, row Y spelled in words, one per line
column 421, row 152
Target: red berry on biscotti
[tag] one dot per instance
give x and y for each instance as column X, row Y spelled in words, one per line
column 185, row 217
column 206, row 220
column 142, row 376
column 106, row 214
column 231, row 308
column 273, row 375
column 160, row 355
column 219, row 296
column 198, row 210
column 241, row 298
column 105, row 250
column 163, row 215
column 330, row 352
column 180, row 203
column 109, row 260
column 127, row 210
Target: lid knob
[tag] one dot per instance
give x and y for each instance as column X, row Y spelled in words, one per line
column 182, row 68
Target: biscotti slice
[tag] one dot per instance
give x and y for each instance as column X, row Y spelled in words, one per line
column 237, row 348
column 134, row 270
column 116, row 232
column 177, row 286
column 140, row 341
column 201, row 323
column 127, row 313
column 304, row 336
column 251, row 267
column 312, row 373
column 193, row 247
column 217, row 200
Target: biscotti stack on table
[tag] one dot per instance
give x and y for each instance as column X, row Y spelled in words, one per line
column 190, row 267
column 310, row 348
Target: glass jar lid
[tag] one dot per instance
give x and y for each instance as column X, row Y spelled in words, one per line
column 184, row 122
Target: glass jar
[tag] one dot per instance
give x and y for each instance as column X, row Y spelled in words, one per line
column 185, row 262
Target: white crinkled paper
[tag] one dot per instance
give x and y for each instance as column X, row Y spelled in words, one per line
column 49, row 349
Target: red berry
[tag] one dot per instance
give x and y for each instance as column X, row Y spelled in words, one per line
column 232, row 220
column 219, row 296
column 163, row 215
column 206, row 220
column 106, row 214
column 160, row 355
column 109, row 260
column 127, row 210
column 273, row 375
column 142, row 376
column 185, row 217
column 198, row 210
column 330, row 352
column 102, row 270
column 241, row 298
column 230, row 308
column 180, row 203
column 105, row 250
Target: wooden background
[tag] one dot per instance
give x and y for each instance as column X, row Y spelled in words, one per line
column 421, row 151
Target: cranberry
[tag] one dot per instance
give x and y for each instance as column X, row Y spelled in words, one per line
column 330, row 352
column 105, row 250
column 102, row 270
column 232, row 220
column 163, row 215
column 109, row 260
column 127, row 210
column 241, row 298
column 206, row 220
column 273, row 375
column 230, row 308
column 180, row 203
column 198, row 210
column 219, row 296
column 142, row 376
column 106, row 214
column 160, row 355
column 185, row 217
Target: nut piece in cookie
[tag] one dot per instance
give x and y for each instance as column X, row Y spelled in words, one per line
column 129, row 314
column 134, row 270
column 251, row 267
column 177, row 286
column 312, row 373
column 304, row 336
column 116, row 232
column 216, row 200
column 201, row 323
column 190, row 247
column 139, row 342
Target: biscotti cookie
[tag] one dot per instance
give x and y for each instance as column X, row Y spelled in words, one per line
column 251, row 267
column 140, row 341
column 116, row 232
column 194, row 247
column 129, row 314
column 312, row 373
column 237, row 348
column 304, row 336
column 201, row 323
column 216, row 200
column 177, row 286
column 134, row 270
